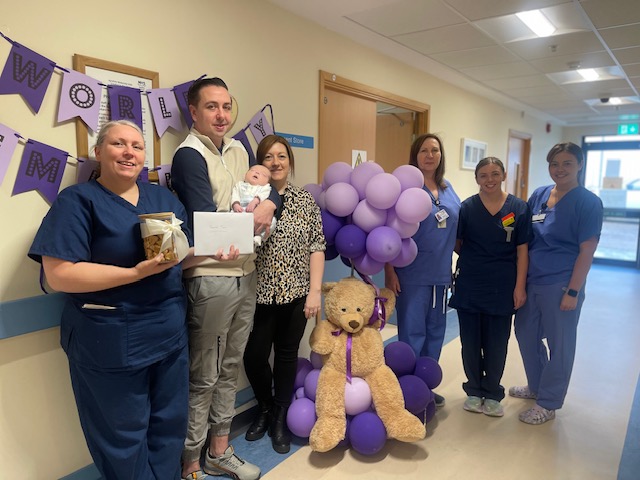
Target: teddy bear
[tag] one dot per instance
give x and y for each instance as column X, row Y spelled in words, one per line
column 349, row 305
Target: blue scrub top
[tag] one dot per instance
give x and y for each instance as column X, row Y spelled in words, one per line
column 554, row 249
column 145, row 320
column 432, row 266
column 487, row 265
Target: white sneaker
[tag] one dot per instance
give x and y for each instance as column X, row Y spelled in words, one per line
column 230, row 464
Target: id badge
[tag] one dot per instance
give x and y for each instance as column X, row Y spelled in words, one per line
column 441, row 216
column 538, row 218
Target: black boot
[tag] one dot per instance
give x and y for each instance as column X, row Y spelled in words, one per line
column 280, row 435
column 260, row 424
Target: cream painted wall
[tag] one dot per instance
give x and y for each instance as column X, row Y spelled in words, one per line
column 266, row 56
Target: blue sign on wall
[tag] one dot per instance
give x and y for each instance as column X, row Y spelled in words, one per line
column 299, row 141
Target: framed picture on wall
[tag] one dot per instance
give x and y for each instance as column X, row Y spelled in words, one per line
column 472, row 152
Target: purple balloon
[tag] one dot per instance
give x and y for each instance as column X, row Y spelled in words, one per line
column 346, row 261
column 407, row 255
column 351, row 241
column 344, row 443
column 383, row 244
column 299, row 393
column 341, row 199
column 314, row 189
column 330, row 225
column 429, row 371
column 362, row 174
column 415, row 392
column 311, row 384
column 301, row 417
column 321, row 200
column 413, row 205
column 368, row 217
column 409, row 177
column 383, row 191
column 404, row 229
column 357, row 396
column 428, row 413
column 336, row 172
column 316, row 359
column 367, row 433
column 367, row 265
column 400, row 357
column 330, row 253
column 303, row 368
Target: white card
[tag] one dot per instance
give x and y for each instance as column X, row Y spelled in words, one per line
column 215, row 230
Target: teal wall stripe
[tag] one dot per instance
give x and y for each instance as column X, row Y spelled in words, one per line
column 30, row 314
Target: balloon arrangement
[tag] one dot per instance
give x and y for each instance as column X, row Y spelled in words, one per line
column 365, row 432
column 369, row 216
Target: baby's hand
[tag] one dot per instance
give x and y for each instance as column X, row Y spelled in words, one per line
column 236, row 207
column 252, row 205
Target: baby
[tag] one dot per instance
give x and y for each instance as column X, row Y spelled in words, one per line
column 248, row 194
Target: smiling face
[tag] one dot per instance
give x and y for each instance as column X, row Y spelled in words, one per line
column 277, row 161
column 212, row 115
column 428, row 158
column 121, row 154
column 490, row 178
column 564, row 169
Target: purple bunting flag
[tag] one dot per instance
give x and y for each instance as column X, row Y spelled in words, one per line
column 87, row 169
column 164, row 109
column 80, row 97
column 125, row 104
column 8, row 143
column 164, row 176
column 241, row 136
column 181, row 96
column 28, row 74
column 144, row 175
column 260, row 127
column 41, row 169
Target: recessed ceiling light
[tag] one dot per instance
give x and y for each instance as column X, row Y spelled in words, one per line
column 615, row 101
column 589, row 74
column 537, row 22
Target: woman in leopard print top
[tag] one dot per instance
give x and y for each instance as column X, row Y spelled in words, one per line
column 290, row 266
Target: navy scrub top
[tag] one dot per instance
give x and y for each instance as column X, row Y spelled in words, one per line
column 486, row 269
column 130, row 326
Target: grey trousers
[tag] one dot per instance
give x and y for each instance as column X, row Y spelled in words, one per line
column 220, row 318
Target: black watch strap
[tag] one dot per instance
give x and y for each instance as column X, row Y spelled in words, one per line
column 571, row 292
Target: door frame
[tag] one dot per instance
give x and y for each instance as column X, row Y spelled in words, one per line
column 524, row 160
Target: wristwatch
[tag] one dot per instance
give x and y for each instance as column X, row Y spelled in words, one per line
column 570, row 291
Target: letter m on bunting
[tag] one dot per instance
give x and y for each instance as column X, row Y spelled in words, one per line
column 41, row 169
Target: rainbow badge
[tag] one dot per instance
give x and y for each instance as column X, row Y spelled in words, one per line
column 508, row 219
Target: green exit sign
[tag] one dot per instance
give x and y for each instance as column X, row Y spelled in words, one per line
column 628, row 129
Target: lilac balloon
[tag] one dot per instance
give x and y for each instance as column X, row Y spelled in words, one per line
column 301, row 417
column 341, row 199
column 415, row 392
column 400, row 357
column 413, row 205
column 299, row 393
column 368, row 217
column 311, row 384
column 316, row 359
column 409, row 176
column 383, row 244
column 429, row 371
column 407, row 255
column 404, row 229
column 303, row 368
column 367, row 265
column 336, row 172
column 314, row 189
column 330, row 253
column 330, row 225
column 367, row 433
column 321, row 200
column 357, row 396
column 362, row 174
column 351, row 241
column 383, row 191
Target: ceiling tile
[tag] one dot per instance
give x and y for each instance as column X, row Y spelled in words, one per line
column 475, row 57
column 562, row 63
column 556, row 46
column 520, row 82
column 488, row 72
column 445, row 39
column 477, row 9
column 604, row 13
column 622, row 37
column 632, row 70
column 627, row 55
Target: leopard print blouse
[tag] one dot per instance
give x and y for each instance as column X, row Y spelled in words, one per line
column 283, row 260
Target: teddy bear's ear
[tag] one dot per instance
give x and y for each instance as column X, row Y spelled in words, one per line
column 390, row 304
column 328, row 286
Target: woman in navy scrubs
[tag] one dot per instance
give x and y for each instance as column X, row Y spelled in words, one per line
column 493, row 232
column 421, row 288
column 123, row 326
column 566, row 221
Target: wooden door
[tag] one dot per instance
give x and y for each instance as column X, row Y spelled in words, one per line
column 393, row 139
column 518, row 164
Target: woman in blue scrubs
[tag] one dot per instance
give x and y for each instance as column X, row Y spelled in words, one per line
column 566, row 221
column 493, row 232
column 422, row 287
column 123, row 326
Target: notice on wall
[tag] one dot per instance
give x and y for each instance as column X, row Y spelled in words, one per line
column 358, row 157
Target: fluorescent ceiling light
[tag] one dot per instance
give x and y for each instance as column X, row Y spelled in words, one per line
column 589, row 74
column 615, row 101
column 537, row 22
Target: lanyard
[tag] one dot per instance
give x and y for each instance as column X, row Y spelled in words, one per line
column 436, row 201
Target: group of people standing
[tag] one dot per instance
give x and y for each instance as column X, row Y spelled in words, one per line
column 151, row 388
column 530, row 259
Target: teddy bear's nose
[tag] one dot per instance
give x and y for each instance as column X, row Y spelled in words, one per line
column 354, row 324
